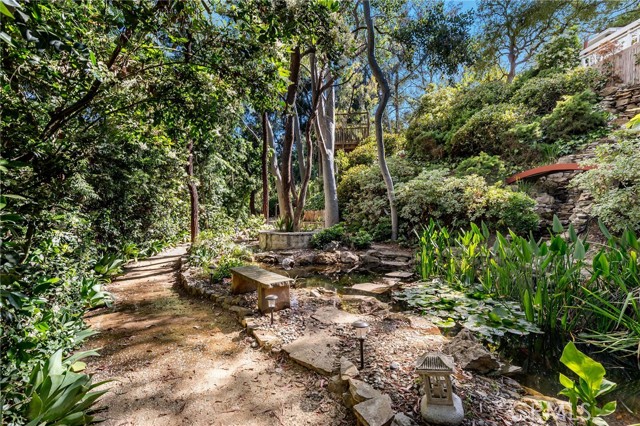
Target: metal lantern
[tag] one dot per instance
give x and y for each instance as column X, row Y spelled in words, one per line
column 271, row 303
column 361, row 328
column 436, row 370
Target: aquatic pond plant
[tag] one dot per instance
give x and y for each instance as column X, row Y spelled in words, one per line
column 555, row 285
column 472, row 308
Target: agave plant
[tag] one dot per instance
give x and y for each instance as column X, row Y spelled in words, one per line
column 60, row 393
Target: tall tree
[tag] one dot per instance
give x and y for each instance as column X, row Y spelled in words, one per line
column 517, row 29
column 383, row 87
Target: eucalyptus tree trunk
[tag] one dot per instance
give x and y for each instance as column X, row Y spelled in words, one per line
column 326, row 130
column 289, row 135
column 273, row 165
column 193, row 196
column 265, row 172
column 383, row 86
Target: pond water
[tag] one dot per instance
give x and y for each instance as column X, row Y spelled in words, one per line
column 331, row 278
column 537, row 355
column 539, row 358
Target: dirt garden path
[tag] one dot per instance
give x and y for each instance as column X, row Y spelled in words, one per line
column 176, row 360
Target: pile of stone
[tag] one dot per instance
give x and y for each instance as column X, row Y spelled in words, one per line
column 623, row 101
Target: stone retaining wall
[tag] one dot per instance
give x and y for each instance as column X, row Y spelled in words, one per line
column 274, row 240
column 554, row 196
column 623, row 101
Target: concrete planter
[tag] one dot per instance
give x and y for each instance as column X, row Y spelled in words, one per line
column 276, row 240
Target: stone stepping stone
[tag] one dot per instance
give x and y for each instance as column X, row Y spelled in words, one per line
column 266, row 338
column 400, row 274
column 314, row 351
column 371, row 289
column 375, row 412
column 333, row 315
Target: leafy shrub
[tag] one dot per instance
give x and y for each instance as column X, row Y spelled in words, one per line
column 574, row 115
column 223, row 268
column 371, row 212
column 490, row 130
column 442, row 111
column 361, row 240
column 367, row 152
column 490, row 167
column 562, row 52
column 434, row 194
column 328, row 235
column 615, row 184
column 543, row 92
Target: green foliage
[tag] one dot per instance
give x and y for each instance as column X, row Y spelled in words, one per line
column 546, row 90
column 337, row 233
column 490, row 130
column 366, row 153
column 572, row 116
column 490, row 167
column 456, row 201
column 561, row 52
column 634, row 123
column 109, row 265
column 328, row 235
column 556, row 287
column 284, row 224
column 615, row 183
column 59, row 394
column 361, row 240
column 223, row 268
column 371, row 212
column 485, row 316
column 502, row 119
column 591, row 384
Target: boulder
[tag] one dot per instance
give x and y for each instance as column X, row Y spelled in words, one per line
column 400, row 274
column 331, row 315
column 401, row 419
column 266, row 338
column 266, row 257
column 348, row 257
column 371, row 289
column 348, row 370
column 470, row 354
column 361, row 391
column 305, row 259
column 325, row 258
column 375, row 412
column 288, row 263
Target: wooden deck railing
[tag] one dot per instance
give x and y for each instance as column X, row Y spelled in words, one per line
column 351, row 129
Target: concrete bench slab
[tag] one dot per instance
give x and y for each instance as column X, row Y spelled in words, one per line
column 245, row 279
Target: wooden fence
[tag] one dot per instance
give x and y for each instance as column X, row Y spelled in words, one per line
column 624, row 66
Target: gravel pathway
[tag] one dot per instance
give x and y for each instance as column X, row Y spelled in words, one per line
column 176, row 360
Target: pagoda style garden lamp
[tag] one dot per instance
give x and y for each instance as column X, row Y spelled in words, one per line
column 361, row 328
column 439, row 405
column 271, row 303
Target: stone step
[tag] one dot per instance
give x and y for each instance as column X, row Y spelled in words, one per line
column 314, row 351
column 370, row 289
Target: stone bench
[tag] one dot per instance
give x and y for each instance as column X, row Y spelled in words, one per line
column 245, row 279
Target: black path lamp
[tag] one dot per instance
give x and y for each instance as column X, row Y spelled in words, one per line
column 361, row 328
column 271, row 304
